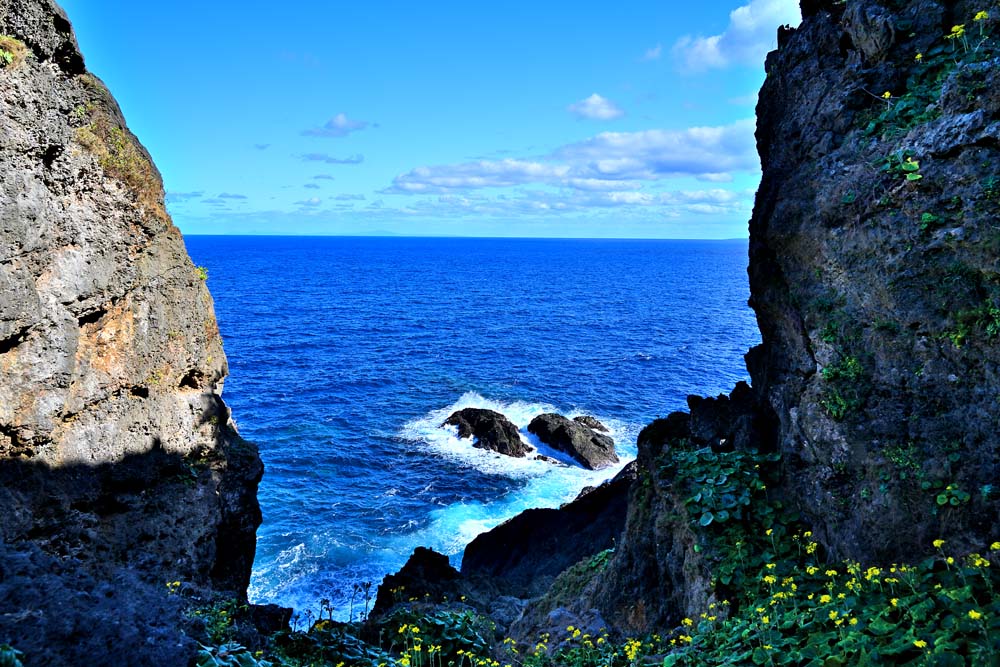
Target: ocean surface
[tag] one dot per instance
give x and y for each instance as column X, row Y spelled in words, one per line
column 346, row 354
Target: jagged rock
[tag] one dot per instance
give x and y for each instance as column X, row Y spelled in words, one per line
column 592, row 423
column 523, row 555
column 426, row 575
column 490, row 429
column 590, row 449
column 120, row 469
column 849, row 270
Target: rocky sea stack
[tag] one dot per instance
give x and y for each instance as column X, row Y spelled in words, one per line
column 489, row 430
column 120, row 468
column 584, row 443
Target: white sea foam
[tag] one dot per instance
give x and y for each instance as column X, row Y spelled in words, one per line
column 545, row 484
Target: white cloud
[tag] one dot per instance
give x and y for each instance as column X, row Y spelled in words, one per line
column 608, row 162
column 653, row 53
column 338, row 126
column 472, row 175
column 596, row 107
column 745, row 41
column 329, row 159
column 705, row 152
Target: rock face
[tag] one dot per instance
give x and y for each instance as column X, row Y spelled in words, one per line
column 490, row 429
column 874, row 274
column 589, row 448
column 522, row 556
column 118, row 458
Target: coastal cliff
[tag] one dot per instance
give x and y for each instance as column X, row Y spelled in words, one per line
column 867, row 443
column 121, row 468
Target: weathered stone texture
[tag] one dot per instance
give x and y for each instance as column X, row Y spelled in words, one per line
column 116, row 449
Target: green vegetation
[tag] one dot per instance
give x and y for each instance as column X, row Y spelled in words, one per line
column 201, row 272
column 942, row 611
column 984, row 319
column 121, row 157
column 845, row 388
column 12, row 53
column 10, row 656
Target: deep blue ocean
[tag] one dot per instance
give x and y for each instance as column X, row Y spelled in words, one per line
column 346, row 354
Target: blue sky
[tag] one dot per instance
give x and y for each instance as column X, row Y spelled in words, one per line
column 551, row 119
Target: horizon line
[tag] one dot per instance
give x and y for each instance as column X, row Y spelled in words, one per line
column 449, row 236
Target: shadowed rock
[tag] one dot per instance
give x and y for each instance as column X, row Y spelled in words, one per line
column 589, row 448
column 490, row 429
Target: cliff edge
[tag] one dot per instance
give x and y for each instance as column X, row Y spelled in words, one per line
column 120, row 468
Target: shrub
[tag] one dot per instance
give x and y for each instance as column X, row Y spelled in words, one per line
column 12, row 52
column 121, row 158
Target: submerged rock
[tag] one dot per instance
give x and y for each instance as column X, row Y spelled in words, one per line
column 490, row 429
column 589, row 448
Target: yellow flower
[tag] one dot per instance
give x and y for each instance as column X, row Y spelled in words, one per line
column 765, row 619
column 770, row 579
column 833, row 614
column 918, row 57
column 956, row 32
column 894, row 602
column 688, row 622
column 938, row 543
column 975, row 615
column 767, row 647
column 981, row 16
column 823, row 599
column 995, row 546
column 920, row 643
column 768, row 532
column 950, row 560
column 886, row 95
column 812, row 569
column 831, row 573
column 770, row 566
column 853, row 621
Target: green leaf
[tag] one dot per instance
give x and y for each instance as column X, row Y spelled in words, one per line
column 913, row 177
column 880, row 626
column 706, row 518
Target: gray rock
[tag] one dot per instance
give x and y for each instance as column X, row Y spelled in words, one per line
column 490, row 429
column 120, row 468
column 589, row 448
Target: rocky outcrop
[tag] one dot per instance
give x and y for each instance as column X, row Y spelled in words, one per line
column 874, row 276
column 491, row 430
column 585, row 445
column 521, row 557
column 118, row 458
column 425, row 575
